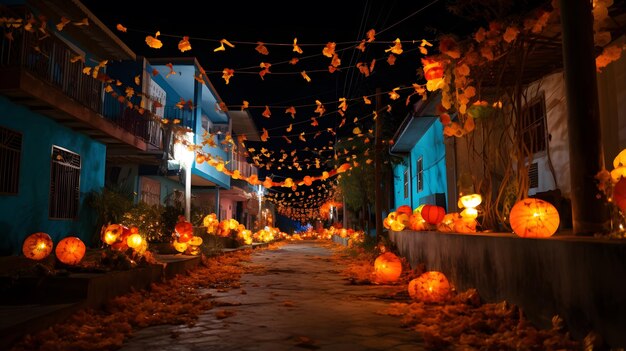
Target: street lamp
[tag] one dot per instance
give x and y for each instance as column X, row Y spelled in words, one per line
column 185, row 156
column 259, row 194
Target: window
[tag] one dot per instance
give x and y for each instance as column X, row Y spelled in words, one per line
column 10, row 152
column 420, row 174
column 150, row 191
column 533, row 125
column 64, row 184
column 406, row 183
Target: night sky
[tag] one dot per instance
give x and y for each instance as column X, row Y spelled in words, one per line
column 314, row 24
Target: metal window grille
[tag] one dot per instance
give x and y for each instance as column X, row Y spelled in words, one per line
column 534, row 125
column 533, row 175
column 64, row 184
column 420, row 174
column 406, row 183
column 10, row 152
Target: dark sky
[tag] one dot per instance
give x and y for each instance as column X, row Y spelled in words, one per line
column 314, row 23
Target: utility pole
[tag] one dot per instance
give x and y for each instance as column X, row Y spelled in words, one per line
column 378, row 170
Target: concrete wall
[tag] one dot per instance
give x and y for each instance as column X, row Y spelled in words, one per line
column 27, row 212
column 580, row 279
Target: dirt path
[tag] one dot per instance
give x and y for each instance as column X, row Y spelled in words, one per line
column 293, row 298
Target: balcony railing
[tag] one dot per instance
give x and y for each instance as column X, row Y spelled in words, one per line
column 50, row 60
column 184, row 115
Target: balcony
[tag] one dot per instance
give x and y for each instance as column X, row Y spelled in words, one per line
column 40, row 74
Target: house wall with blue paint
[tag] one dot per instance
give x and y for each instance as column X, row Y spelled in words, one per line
column 431, row 149
column 28, row 211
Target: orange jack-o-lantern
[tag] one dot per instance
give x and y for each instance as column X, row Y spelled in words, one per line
column 37, row 246
column 433, row 214
column 534, row 218
column 387, row 222
column 134, row 241
column 430, row 287
column 387, row 268
column 112, row 233
column 619, row 194
column 122, row 241
column 70, row 250
column 397, row 226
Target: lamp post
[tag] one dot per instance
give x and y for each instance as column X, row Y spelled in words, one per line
column 186, row 156
column 259, row 194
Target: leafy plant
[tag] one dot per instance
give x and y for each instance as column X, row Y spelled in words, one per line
column 148, row 219
column 110, row 205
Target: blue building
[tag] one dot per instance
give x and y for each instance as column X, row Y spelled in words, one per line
column 421, row 177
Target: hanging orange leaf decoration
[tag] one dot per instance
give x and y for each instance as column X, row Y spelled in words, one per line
column 155, row 72
column 265, row 135
column 221, row 47
column 329, row 50
column 343, row 105
column 305, row 76
column 287, row 139
column 356, row 130
column 268, row 182
column 344, row 167
column 363, row 69
column 184, row 44
column 371, row 35
column 227, row 73
column 153, row 42
column 121, row 28
column 296, row 48
column 292, row 111
column 63, row 23
column 267, row 113
column 393, row 95
column 391, row 60
column 77, row 58
column 343, row 121
column 510, row 34
column 83, row 22
column 244, row 105
column 293, row 61
column 336, row 61
column 266, row 69
column 320, row 108
column 301, row 137
column 332, row 69
column 361, row 46
column 366, row 100
column 261, row 49
column 289, row 128
column 314, row 123
column 171, row 72
column 396, row 48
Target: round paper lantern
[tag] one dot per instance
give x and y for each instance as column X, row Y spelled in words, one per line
column 431, row 287
column 387, row 268
column 433, row 214
column 534, row 218
column 70, row 250
column 112, row 233
column 404, row 209
column 134, row 240
column 37, row 246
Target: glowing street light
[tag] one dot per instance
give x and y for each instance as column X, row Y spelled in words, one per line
column 186, row 155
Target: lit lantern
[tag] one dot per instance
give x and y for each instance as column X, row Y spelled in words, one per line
column 447, row 223
column 37, row 246
column 183, row 229
column 180, row 247
column 195, row 241
column 387, row 222
column 431, row 287
column 120, row 244
column 465, row 225
column 433, row 214
column 419, row 208
column 134, row 240
column 112, row 233
column 433, row 73
column 416, row 222
column 387, row 268
column 534, row 218
column 471, row 201
column 397, row 226
column 70, row 250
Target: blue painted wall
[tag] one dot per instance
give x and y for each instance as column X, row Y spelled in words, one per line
column 27, row 212
column 431, row 148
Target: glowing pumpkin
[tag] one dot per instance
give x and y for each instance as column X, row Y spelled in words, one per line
column 387, row 222
column 534, row 218
column 112, row 233
column 465, row 225
column 416, row 222
column 120, row 244
column 447, row 223
column 397, row 226
column 433, row 214
column 387, row 268
column 195, row 241
column 134, row 240
column 404, row 209
column 431, row 287
column 184, row 230
column 471, row 201
column 37, row 246
column 180, row 247
column 70, row 250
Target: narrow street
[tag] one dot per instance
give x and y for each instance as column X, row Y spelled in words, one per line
column 292, row 298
